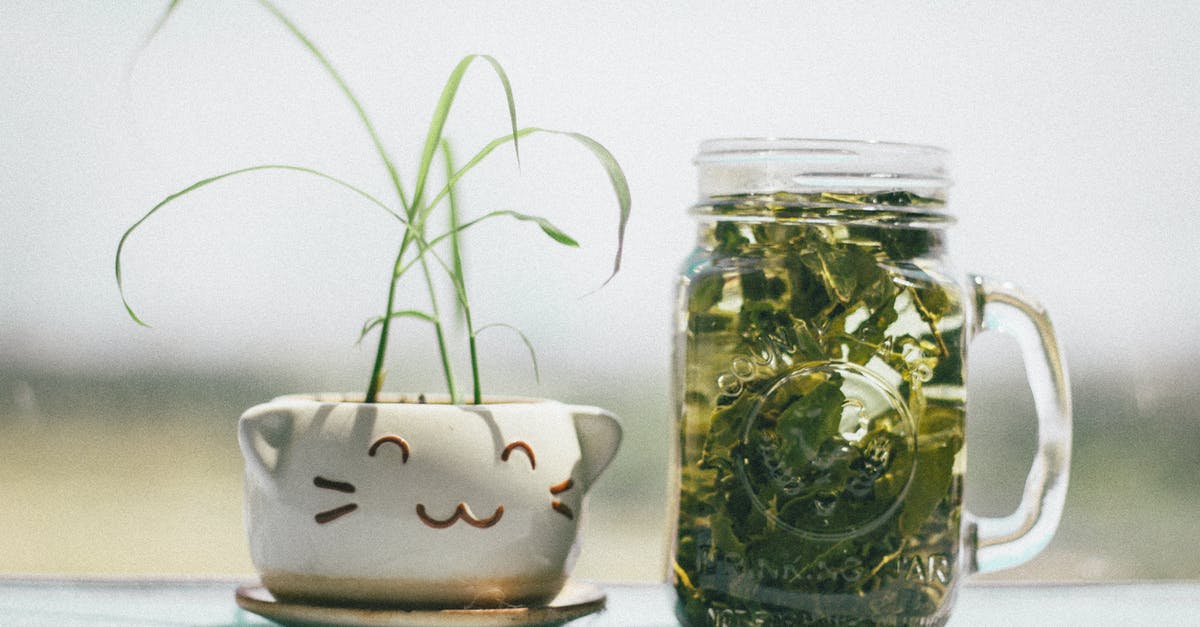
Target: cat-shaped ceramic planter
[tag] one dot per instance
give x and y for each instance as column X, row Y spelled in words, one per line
column 419, row 505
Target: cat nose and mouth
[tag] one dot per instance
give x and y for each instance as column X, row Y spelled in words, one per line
column 463, row 513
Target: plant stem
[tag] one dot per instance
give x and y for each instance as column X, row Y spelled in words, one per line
column 474, row 366
column 437, row 325
column 376, row 381
column 460, row 291
column 457, row 274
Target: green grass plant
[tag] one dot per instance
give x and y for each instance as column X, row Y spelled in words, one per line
column 417, row 250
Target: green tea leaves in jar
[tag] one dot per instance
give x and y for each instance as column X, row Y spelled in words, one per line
column 821, row 415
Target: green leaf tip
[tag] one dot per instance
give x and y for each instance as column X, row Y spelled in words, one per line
column 537, row 375
column 378, row 320
column 134, row 316
column 545, row 225
column 150, row 36
column 620, row 185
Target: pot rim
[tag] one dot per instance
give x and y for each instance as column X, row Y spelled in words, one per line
column 393, row 399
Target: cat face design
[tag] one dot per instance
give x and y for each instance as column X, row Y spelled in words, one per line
column 457, row 492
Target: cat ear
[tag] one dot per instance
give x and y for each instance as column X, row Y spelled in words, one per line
column 263, row 432
column 599, row 435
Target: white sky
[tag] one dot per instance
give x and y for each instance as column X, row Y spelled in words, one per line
column 1073, row 127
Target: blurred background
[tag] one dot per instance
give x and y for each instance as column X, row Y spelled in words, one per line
column 1074, row 132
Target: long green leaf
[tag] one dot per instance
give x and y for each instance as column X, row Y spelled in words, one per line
column 437, row 125
column 616, row 177
column 341, row 83
column 453, row 215
column 378, row 320
column 213, row 179
column 458, row 277
column 537, row 375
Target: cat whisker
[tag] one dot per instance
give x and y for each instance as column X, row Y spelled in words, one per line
column 563, row 509
column 329, row 484
column 335, row 513
column 558, row 505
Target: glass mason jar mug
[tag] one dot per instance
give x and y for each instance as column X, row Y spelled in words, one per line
column 820, row 369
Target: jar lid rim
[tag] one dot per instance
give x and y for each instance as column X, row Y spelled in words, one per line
column 772, row 164
column 724, row 148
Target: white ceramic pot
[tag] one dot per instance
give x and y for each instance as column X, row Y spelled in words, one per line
column 419, row 505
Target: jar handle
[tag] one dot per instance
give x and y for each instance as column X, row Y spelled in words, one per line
column 1012, row 540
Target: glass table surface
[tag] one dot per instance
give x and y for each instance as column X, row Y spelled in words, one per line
column 50, row 601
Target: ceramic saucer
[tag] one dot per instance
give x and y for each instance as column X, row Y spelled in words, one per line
column 575, row 600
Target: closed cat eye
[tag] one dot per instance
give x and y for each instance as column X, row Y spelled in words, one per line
column 519, row 445
column 391, row 439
